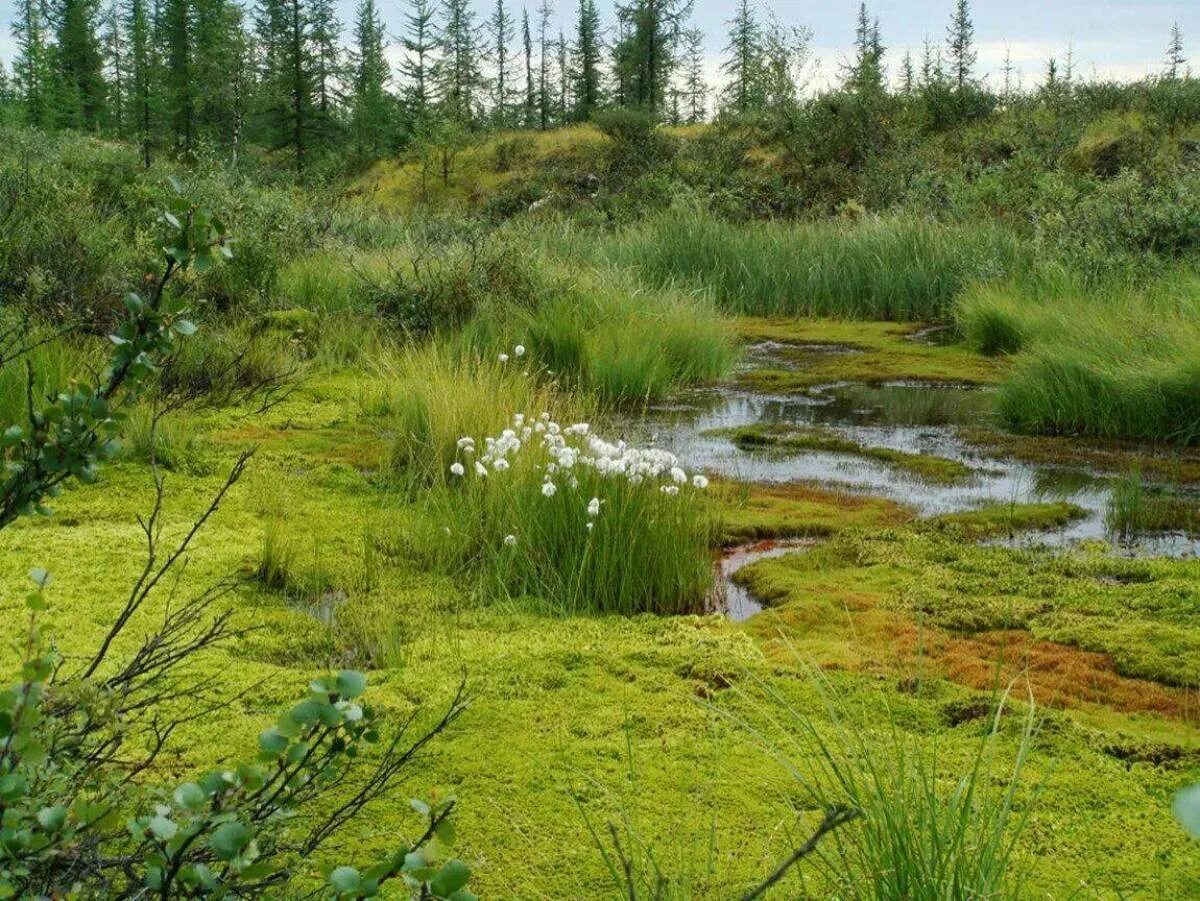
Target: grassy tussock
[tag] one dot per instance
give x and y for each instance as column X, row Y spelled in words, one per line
column 1117, row 362
column 431, row 396
column 887, row 269
column 597, row 544
column 603, row 334
column 931, row 825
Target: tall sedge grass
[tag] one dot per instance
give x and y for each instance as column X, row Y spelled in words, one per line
column 428, row 397
column 598, row 330
column 583, row 525
column 172, row 442
column 1135, row 507
column 936, row 822
column 54, row 364
column 1112, row 362
column 892, row 269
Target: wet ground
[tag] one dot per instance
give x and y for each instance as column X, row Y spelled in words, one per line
column 912, row 417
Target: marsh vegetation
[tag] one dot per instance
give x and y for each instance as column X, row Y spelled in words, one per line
column 679, row 494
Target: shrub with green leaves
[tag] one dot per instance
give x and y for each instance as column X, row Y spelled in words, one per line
column 77, row 738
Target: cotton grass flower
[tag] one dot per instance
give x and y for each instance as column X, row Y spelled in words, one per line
column 593, row 508
column 456, row 469
column 500, row 465
column 503, row 358
column 480, row 470
column 699, row 481
column 549, row 489
column 519, row 350
column 510, row 540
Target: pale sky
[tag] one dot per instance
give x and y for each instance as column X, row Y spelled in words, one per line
column 1122, row 40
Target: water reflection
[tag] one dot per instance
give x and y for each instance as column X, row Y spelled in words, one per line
column 906, row 416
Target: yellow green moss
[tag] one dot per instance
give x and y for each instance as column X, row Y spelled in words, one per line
column 752, row 512
column 622, row 716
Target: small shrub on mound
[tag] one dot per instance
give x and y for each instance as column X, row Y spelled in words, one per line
column 586, row 525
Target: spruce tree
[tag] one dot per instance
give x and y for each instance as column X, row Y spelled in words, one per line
column 180, row 93
column 1175, row 58
column 31, row 68
column 908, row 75
column 420, row 44
column 286, row 82
column 500, row 29
column 865, row 74
column 743, row 64
column 458, row 75
column 137, row 25
column 960, row 45
column 219, row 51
column 563, row 71
column 370, row 106
column 585, row 72
column 79, row 66
column 530, row 91
column 644, row 58
column 545, row 11
column 118, row 81
column 328, row 70
column 695, row 89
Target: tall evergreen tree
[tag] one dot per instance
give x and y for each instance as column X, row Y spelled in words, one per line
column 137, row 26
column 79, row 65
column 500, row 29
column 743, row 61
column 420, row 44
column 118, row 63
column 960, row 44
column 371, row 110
column 585, row 70
column 218, row 53
column 32, row 66
column 545, row 11
column 695, row 88
column 458, row 73
column 1175, row 58
column 286, row 82
column 563, row 71
column 181, row 89
column 645, row 54
column 908, row 74
column 865, row 73
column 328, row 69
column 530, row 90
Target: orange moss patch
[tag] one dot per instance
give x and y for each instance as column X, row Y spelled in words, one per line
column 357, row 447
column 844, row 627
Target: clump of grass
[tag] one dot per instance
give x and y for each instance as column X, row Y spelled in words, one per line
column 894, row 269
column 586, row 526
column 601, row 332
column 932, row 824
column 1135, row 507
column 429, row 397
column 1114, row 361
column 171, row 441
column 54, row 364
